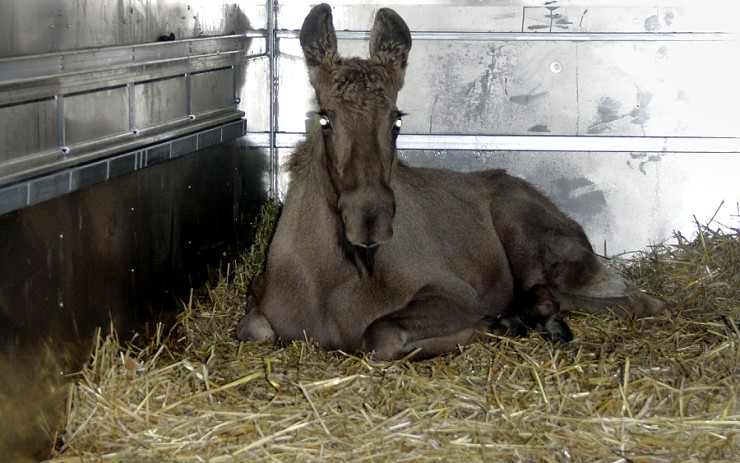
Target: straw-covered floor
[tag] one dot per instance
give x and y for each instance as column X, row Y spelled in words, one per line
column 661, row 389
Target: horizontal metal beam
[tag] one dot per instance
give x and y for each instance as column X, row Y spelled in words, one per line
column 533, row 143
column 54, row 160
column 542, row 36
column 570, row 143
column 31, row 77
column 71, row 62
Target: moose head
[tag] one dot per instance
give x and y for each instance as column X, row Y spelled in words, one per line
column 359, row 122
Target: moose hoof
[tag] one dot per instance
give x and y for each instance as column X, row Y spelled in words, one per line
column 554, row 329
column 254, row 327
column 649, row 305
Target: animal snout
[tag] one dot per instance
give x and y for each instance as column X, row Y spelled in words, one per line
column 373, row 229
column 368, row 223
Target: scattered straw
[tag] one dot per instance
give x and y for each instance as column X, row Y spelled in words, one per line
column 655, row 390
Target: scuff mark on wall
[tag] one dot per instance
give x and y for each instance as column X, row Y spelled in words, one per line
column 528, row 98
column 540, row 128
column 606, row 113
column 552, row 20
column 584, row 198
column 477, row 95
column 640, row 114
column 643, row 159
column 652, row 24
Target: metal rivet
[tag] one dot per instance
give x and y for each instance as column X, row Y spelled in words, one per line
column 556, row 67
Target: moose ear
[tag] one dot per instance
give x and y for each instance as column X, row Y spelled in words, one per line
column 318, row 39
column 390, row 39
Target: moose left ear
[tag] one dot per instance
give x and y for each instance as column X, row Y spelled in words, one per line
column 390, row 39
column 317, row 37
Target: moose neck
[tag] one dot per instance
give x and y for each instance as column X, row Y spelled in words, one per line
column 312, row 186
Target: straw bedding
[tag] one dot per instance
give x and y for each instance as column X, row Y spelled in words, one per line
column 661, row 389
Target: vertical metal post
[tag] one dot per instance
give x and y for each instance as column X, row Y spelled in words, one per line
column 272, row 54
column 189, row 95
column 61, row 129
column 130, row 89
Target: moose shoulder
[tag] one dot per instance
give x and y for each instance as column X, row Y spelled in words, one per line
column 370, row 253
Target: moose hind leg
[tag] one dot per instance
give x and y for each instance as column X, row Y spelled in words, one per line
column 588, row 285
column 431, row 324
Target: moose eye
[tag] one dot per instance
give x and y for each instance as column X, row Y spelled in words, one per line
column 325, row 118
column 399, row 121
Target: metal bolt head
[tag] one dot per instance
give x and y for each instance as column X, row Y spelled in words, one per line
column 556, row 67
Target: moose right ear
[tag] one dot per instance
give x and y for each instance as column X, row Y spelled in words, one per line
column 318, row 39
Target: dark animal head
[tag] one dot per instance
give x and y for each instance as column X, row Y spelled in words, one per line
column 359, row 122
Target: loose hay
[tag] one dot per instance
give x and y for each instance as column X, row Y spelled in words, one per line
column 654, row 390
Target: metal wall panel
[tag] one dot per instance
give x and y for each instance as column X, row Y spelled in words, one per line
column 572, row 88
column 255, row 95
column 160, row 101
column 43, row 26
column 213, row 90
column 28, row 128
column 96, row 115
column 85, row 79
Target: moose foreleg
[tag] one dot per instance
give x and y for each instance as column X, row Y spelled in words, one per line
column 254, row 326
column 433, row 323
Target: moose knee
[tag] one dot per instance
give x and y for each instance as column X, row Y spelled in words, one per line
column 385, row 340
column 254, row 327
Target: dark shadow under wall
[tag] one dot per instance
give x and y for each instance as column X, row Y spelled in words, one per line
column 124, row 253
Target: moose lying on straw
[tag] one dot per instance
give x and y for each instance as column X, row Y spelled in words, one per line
column 372, row 254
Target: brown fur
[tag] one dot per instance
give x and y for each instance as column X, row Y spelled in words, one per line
column 370, row 253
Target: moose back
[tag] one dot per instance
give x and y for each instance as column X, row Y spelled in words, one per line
column 372, row 254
